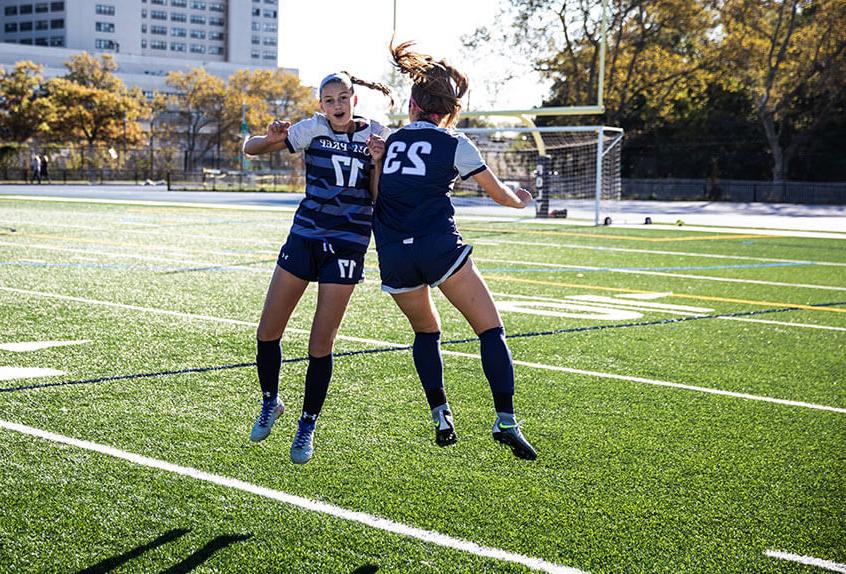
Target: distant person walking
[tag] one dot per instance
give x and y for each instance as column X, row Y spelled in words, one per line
column 35, row 168
column 45, row 165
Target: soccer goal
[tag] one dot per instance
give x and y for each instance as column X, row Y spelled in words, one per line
column 566, row 167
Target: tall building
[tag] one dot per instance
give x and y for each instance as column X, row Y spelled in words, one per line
column 148, row 38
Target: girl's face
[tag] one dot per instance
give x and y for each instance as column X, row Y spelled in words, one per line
column 337, row 102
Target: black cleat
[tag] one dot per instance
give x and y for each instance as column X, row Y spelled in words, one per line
column 445, row 430
column 510, row 436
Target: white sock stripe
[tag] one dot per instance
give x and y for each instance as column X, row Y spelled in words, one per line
column 807, row 560
column 300, row 502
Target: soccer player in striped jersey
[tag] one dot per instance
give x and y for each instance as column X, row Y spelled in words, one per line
column 327, row 242
column 420, row 248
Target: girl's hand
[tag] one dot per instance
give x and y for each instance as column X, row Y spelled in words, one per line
column 376, row 145
column 277, row 131
column 524, row 196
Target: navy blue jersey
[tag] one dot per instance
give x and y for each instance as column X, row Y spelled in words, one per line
column 419, row 171
column 337, row 206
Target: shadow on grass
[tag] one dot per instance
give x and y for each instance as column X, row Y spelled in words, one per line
column 187, row 565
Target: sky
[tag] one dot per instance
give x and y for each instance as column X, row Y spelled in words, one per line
column 322, row 36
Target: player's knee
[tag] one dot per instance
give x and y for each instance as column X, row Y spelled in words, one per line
column 268, row 333
column 321, row 346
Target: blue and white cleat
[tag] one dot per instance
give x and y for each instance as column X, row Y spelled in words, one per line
column 445, row 429
column 509, row 434
column 270, row 411
column 303, row 447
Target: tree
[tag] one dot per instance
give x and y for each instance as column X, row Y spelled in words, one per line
column 25, row 112
column 94, row 105
column 791, row 56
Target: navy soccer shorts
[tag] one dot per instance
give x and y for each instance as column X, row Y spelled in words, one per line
column 322, row 261
column 418, row 261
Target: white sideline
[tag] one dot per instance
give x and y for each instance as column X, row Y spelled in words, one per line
column 300, row 502
column 455, row 353
column 807, row 560
column 656, row 252
column 784, row 323
column 665, row 274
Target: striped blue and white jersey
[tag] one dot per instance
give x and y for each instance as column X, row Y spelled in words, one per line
column 337, row 205
column 421, row 164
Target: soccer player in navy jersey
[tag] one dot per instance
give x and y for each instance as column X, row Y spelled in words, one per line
column 420, row 248
column 327, row 242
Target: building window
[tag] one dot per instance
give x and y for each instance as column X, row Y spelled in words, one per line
column 179, row 3
column 256, row 12
column 256, row 27
column 57, row 24
column 198, row 49
column 178, row 17
column 102, row 44
column 158, row 45
column 216, row 36
column 269, row 41
column 57, row 41
column 105, row 27
column 41, row 8
column 26, row 9
column 105, row 10
column 42, row 25
column 178, row 32
column 215, row 7
column 143, row 12
column 143, row 42
column 41, row 41
column 271, row 2
column 270, row 14
column 27, row 41
column 26, row 26
column 269, row 27
column 159, row 30
column 177, row 47
column 195, row 19
column 158, row 15
column 268, row 55
column 198, row 34
column 198, row 5
column 214, row 21
column 11, row 10
column 216, row 50
column 143, row 28
column 57, row 7
column 158, row 2
column 11, row 26
column 255, row 53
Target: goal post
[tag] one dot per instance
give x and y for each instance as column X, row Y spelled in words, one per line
column 558, row 163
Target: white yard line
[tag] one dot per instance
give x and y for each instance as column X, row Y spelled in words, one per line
column 807, row 560
column 14, row 373
column 664, row 274
column 29, row 346
column 368, row 520
column 454, row 353
column 656, row 252
column 784, row 323
column 150, row 203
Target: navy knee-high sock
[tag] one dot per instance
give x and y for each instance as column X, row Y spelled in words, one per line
column 268, row 362
column 430, row 367
column 498, row 367
column 318, row 375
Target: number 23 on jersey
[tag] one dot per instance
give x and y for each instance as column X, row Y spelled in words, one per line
column 398, row 152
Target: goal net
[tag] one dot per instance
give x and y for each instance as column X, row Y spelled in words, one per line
column 568, row 168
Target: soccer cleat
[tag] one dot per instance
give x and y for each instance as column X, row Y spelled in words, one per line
column 445, row 429
column 510, row 435
column 303, row 447
column 270, row 411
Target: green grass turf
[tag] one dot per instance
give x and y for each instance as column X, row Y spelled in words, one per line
column 631, row 477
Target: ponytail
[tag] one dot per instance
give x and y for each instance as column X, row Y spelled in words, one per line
column 437, row 86
column 348, row 80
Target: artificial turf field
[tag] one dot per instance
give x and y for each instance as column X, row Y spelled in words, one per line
column 684, row 389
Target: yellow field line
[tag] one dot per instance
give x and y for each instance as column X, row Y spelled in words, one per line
column 624, row 237
column 677, row 295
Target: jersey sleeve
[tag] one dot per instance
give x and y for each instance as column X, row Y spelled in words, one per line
column 301, row 133
column 468, row 160
column 380, row 130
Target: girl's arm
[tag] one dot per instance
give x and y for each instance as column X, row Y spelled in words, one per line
column 376, row 145
column 501, row 194
column 277, row 133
